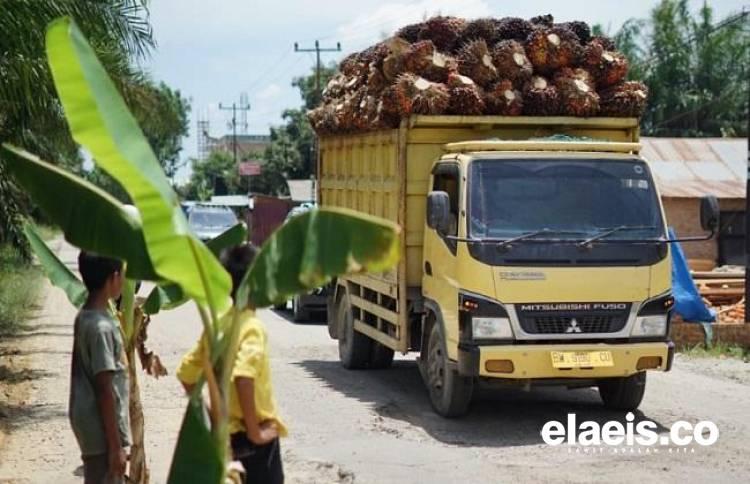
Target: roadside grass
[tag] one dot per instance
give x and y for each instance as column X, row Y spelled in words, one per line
column 717, row 350
column 20, row 286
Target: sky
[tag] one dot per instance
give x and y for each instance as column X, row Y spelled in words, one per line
column 215, row 51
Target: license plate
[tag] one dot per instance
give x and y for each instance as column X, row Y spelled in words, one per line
column 581, row 359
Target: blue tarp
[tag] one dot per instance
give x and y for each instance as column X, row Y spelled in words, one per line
column 687, row 300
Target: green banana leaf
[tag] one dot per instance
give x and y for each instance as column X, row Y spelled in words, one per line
column 101, row 122
column 312, row 248
column 90, row 218
column 57, row 272
column 170, row 296
column 195, row 458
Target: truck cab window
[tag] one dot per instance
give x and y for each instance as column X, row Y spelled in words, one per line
column 446, row 180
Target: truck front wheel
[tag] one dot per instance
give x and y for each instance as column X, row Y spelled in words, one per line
column 623, row 393
column 354, row 347
column 450, row 393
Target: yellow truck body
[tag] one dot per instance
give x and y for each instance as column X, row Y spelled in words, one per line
column 440, row 279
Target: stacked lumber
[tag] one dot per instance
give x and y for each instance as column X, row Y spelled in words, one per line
column 488, row 66
column 724, row 292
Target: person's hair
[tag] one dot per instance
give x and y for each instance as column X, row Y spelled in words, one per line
column 237, row 260
column 96, row 269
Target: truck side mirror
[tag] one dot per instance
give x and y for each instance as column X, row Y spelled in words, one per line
column 709, row 213
column 438, row 211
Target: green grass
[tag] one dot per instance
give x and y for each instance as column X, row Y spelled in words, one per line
column 20, row 286
column 718, row 350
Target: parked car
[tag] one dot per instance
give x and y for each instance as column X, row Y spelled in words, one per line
column 303, row 305
column 208, row 222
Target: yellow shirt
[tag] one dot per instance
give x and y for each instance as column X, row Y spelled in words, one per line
column 252, row 361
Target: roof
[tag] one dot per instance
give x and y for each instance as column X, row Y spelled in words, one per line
column 693, row 167
column 301, row 190
column 247, row 138
column 229, row 200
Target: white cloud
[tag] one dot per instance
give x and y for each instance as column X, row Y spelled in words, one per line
column 389, row 17
column 272, row 91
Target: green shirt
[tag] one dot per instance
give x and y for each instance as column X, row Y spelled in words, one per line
column 97, row 347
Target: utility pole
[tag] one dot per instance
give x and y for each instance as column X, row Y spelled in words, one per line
column 234, row 108
column 747, row 210
column 317, row 49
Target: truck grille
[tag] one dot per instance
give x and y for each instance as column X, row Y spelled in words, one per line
column 574, row 322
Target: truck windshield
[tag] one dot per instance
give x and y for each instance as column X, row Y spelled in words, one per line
column 569, row 198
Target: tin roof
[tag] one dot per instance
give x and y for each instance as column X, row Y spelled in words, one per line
column 693, row 167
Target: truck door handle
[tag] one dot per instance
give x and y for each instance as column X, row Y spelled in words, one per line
column 428, row 268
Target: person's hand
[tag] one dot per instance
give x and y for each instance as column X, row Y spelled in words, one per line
column 117, row 462
column 266, row 433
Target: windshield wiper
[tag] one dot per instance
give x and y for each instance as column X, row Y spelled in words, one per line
column 607, row 232
column 529, row 235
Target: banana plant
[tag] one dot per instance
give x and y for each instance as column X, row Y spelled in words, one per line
column 159, row 246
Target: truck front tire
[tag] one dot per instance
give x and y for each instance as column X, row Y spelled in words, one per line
column 354, row 347
column 623, row 393
column 299, row 313
column 450, row 393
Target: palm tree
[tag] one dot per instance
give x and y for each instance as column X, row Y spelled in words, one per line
column 30, row 112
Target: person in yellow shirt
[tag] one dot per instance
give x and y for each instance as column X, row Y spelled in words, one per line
column 254, row 423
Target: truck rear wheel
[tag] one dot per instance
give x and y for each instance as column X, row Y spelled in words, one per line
column 299, row 313
column 623, row 393
column 354, row 347
column 381, row 356
column 450, row 393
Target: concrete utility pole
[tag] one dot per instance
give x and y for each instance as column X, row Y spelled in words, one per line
column 317, row 49
column 747, row 212
column 234, row 108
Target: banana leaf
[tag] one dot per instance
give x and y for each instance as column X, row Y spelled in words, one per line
column 101, row 122
column 170, row 296
column 195, row 457
column 90, row 218
column 312, row 248
column 57, row 272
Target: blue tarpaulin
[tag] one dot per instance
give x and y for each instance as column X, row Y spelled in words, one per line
column 687, row 300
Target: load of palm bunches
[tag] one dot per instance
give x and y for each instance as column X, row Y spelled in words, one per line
column 488, row 66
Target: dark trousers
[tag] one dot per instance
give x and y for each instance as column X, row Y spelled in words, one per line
column 95, row 469
column 262, row 463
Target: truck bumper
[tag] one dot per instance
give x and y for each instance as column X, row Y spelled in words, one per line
column 535, row 361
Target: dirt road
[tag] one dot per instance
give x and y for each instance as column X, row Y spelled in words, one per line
column 376, row 426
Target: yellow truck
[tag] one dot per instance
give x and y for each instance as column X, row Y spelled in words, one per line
column 534, row 252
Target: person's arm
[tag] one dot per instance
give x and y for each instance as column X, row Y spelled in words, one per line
column 259, row 433
column 106, row 400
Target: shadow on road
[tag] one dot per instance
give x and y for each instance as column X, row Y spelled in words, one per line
column 497, row 418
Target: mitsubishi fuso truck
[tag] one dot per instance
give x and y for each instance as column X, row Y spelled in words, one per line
column 534, row 251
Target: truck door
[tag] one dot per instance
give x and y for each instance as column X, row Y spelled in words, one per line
column 439, row 282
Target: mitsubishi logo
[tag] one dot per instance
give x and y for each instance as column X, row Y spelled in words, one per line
column 573, row 328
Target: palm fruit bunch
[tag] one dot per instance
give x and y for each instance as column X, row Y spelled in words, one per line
column 444, row 32
column 578, row 96
column 540, row 98
column 550, row 49
column 503, row 99
column 487, row 66
column 624, row 100
column 511, row 62
column 475, row 61
column 466, row 98
column 608, row 67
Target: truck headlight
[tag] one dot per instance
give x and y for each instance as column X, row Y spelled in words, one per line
column 491, row 328
column 655, row 325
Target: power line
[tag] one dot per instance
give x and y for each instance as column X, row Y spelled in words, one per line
column 317, row 49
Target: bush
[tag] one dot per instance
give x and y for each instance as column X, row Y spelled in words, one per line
column 20, row 285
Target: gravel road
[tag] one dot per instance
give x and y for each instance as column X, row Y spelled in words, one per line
column 374, row 426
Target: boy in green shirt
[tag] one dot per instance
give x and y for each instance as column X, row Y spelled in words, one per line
column 98, row 407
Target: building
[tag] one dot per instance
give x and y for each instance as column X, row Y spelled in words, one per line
column 302, row 191
column 688, row 168
column 248, row 145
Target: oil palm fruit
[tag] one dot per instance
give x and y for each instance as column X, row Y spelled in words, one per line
column 513, row 28
column 578, row 96
column 543, row 21
column 608, row 67
column 624, row 100
column 444, row 32
column 482, row 28
column 465, row 96
column 475, row 61
column 511, row 62
column 503, row 99
column 410, row 32
column 550, row 49
column 581, row 29
column 540, row 98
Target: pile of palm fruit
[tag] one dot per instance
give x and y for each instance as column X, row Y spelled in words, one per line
column 488, row 66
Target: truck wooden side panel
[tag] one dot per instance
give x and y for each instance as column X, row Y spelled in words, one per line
column 386, row 173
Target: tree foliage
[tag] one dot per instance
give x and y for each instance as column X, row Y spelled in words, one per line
column 216, row 175
column 696, row 68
